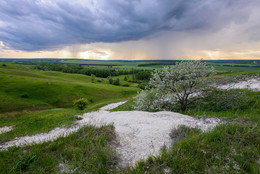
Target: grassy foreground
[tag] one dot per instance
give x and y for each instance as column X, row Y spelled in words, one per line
column 88, row 150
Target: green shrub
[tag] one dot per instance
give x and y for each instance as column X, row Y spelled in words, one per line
column 93, row 77
column 25, row 95
column 126, row 85
column 80, row 104
column 110, row 81
column 116, row 82
column 143, row 85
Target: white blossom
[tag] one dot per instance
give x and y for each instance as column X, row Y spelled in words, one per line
column 174, row 85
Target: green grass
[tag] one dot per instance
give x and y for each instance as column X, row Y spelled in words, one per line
column 249, row 109
column 128, row 106
column 89, row 150
column 32, row 122
column 25, row 89
column 29, row 123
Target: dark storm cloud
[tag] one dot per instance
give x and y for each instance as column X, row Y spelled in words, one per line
column 46, row 25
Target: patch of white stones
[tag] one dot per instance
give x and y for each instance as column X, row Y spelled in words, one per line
column 5, row 129
column 253, row 84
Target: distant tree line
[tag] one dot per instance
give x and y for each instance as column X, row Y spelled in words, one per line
column 156, row 63
column 98, row 72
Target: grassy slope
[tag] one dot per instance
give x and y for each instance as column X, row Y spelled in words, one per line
column 29, row 123
column 88, row 150
column 51, row 89
column 46, row 92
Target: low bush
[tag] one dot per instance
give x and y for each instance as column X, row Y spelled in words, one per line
column 110, row 80
column 142, row 85
column 25, row 95
column 81, row 104
column 116, row 82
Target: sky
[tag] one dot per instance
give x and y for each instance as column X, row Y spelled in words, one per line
column 130, row 29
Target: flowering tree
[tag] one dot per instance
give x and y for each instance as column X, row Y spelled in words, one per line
column 174, row 85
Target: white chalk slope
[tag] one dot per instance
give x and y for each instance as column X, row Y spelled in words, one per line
column 139, row 133
column 253, row 84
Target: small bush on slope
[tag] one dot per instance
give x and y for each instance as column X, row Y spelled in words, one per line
column 80, row 104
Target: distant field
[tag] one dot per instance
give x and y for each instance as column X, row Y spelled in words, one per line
column 220, row 66
column 235, row 69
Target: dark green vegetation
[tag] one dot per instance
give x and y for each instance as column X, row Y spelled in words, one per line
column 81, row 104
column 81, row 69
column 243, row 104
column 89, row 150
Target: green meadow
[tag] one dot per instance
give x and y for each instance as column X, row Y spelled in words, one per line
column 23, row 88
column 35, row 101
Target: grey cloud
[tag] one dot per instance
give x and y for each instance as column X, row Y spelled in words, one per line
column 46, row 25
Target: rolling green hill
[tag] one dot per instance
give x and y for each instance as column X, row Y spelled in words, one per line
column 23, row 88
